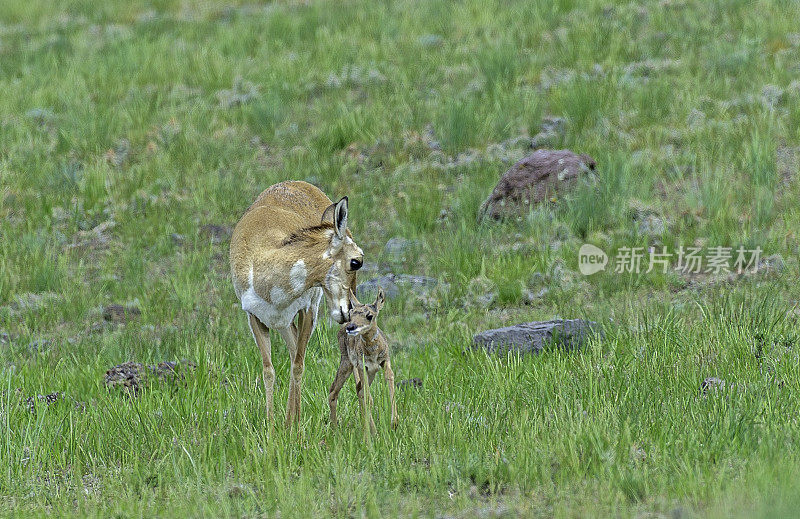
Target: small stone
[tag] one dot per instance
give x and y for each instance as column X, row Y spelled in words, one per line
column 133, row 376
column 482, row 291
column 33, row 301
column 237, row 490
column 772, row 95
column 48, row 399
column 242, row 92
column 217, row 233
column 431, row 40
column 177, row 239
column 711, row 383
column 40, row 345
column 410, row 383
column 41, row 116
column 116, row 313
column 556, row 125
column 772, row 264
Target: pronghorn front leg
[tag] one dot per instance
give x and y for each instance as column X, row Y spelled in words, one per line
column 261, row 336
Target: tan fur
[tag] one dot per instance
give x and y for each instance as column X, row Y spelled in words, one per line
column 362, row 355
column 286, row 252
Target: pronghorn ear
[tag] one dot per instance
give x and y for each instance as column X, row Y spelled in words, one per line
column 327, row 215
column 353, row 300
column 379, row 300
column 340, row 218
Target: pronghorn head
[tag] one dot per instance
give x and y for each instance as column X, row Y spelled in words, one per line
column 343, row 258
column 364, row 318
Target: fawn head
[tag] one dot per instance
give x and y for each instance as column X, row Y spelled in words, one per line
column 364, row 318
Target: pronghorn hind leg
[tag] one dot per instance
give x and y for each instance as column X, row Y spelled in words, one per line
column 261, row 336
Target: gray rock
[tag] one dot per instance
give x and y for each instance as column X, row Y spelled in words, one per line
column 393, row 284
column 533, row 337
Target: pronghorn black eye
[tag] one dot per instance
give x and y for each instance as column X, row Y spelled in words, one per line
column 355, row 264
column 369, row 317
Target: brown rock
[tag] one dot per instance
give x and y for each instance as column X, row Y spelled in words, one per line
column 534, row 179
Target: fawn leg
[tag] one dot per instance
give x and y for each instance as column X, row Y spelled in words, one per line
column 261, row 336
column 362, row 390
column 342, row 374
column 389, row 376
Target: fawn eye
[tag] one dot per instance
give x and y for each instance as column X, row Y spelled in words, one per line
column 369, row 317
column 355, row 264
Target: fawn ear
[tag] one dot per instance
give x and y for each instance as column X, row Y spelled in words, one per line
column 353, row 300
column 379, row 300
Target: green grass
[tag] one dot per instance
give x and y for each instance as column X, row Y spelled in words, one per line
column 164, row 116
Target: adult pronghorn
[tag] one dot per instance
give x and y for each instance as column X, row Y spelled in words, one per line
column 291, row 246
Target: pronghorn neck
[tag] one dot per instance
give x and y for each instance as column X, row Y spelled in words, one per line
column 313, row 246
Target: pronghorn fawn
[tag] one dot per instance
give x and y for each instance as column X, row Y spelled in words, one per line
column 292, row 246
column 364, row 349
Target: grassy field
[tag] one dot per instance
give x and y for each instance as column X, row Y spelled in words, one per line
column 134, row 134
